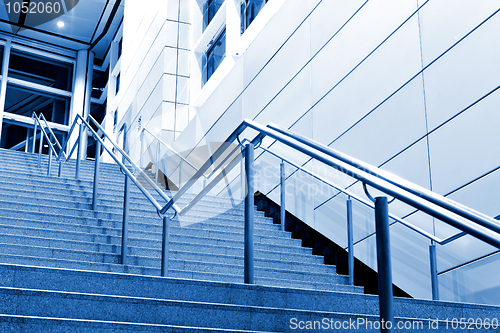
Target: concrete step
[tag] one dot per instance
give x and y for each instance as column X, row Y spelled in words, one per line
column 348, row 300
column 220, row 223
column 141, row 230
column 10, row 208
column 15, row 324
column 144, row 209
column 263, row 276
column 193, row 249
column 74, row 305
column 27, row 277
column 261, row 243
column 178, row 259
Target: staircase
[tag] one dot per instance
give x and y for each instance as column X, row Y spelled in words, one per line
column 60, row 266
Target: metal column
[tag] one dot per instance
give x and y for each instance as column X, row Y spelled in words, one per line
column 34, row 137
column 50, row 161
column 283, row 192
column 126, row 204
column 434, row 276
column 79, row 152
column 157, row 160
column 386, row 301
column 165, row 246
column 350, row 242
column 249, row 207
column 40, row 147
column 96, row 174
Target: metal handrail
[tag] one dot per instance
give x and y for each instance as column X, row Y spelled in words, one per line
column 170, row 148
column 52, row 150
column 410, row 187
column 367, row 203
column 124, row 168
column 51, row 132
column 461, row 217
column 486, row 232
column 37, row 120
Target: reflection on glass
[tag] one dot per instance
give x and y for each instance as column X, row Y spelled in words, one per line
column 1, row 59
column 249, row 10
column 474, row 283
column 210, row 8
column 24, row 102
column 461, row 251
column 363, row 219
column 331, row 219
column 215, row 54
column 43, row 71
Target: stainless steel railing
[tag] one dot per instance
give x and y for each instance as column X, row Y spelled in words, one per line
column 464, row 218
column 158, row 159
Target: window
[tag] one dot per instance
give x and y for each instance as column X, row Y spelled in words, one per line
column 23, row 101
column 1, row 59
column 43, row 71
column 117, row 83
column 120, row 48
column 249, row 11
column 210, row 8
column 215, row 54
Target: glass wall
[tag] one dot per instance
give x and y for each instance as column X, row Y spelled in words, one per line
column 37, row 82
column 43, row 71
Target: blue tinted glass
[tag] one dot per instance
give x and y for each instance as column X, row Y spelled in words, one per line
column 210, row 9
column 249, row 11
column 216, row 54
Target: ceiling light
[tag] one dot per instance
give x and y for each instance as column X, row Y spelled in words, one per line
column 60, row 24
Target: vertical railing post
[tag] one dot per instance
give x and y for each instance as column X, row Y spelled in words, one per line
column 386, row 301
column 350, row 241
column 180, row 174
column 96, row 174
column 50, row 161
column 157, row 161
column 126, row 204
column 79, row 152
column 249, row 207
column 34, row 137
column 40, row 147
column 27, row 140
column 282, row 199
column 242, row 175
column 434, row 276
column 165, row 246
column 142, row 149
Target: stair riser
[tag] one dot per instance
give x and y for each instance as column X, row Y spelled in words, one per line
column 178, row 260
column 203, row 250
column 143, row 230
column 9, row 207
column 260, row 242
column 111, row 284
column 143, row 224
column 108, row 198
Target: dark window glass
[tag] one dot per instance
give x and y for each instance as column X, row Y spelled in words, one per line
column 120, row 48
column 99, row 81
column 117, row 83
column 249, row 11
column 24, row 102
column 47, row 72
column 215, row 54
column 1, row 59
column 210, row 8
